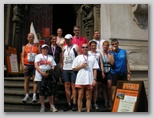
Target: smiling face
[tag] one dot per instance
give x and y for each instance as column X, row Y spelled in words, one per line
column 59, row 32
column 105, row 46
column 53, row 39
column 45, row 50
column 115, row 45
column 93, row 46
column 85, row 48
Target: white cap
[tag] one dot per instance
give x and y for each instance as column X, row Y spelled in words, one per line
column 68, row 36
column 44, row 45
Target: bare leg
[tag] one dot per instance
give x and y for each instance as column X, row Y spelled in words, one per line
column 88, row 99
column 68, row 92
column 95, row 93
column 42, row 100
column 26, row 84
column 80, row 97
column 113, row 92
column 74, row 93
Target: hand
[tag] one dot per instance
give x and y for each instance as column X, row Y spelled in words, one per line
column 94, row 83
column 103, row 75
column 128, row 77
column 111, row 49
column 84, row 64
column 25, row 68
column 44, row 74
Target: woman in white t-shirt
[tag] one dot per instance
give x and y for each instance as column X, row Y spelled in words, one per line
column 100, row 71
column 86, row 66
column 43, row 64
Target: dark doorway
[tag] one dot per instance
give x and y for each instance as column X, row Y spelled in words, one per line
column 63, row 17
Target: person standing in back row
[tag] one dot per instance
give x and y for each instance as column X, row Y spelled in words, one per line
column 77, row 39
column 60, row 39
column 96, row 37
column 121, row 69
column 56, row 52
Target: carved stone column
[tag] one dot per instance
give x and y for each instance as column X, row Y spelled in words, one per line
column 96, row 11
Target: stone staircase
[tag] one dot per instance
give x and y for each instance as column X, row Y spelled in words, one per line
column 14, row 93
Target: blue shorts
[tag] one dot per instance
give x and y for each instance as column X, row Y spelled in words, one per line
column 30, row 71
column 69, row 76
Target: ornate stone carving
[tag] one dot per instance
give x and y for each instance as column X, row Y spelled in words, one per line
column 140, row 15
column 17, row 14
column 88, row 18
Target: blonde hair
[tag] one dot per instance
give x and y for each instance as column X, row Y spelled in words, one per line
column 106, row 42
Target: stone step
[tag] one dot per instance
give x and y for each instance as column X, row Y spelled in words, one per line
column 14, row 78
column 20, row 92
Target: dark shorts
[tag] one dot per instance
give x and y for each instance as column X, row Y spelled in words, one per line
column 45, row 86
column 69, row 76
column 99, row 76
column 116, row 77
column 107, row 77
column 57, row 72
column 31, row 70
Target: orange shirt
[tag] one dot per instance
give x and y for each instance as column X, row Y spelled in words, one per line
column 30, row 51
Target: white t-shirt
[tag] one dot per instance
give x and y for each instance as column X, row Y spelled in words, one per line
column 45, row 63
column 69, row 56
column 99, row 44
column 85, row 75
column 96, row 55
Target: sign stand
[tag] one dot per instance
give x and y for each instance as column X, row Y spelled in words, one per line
column 11, row 60
column 130, row 96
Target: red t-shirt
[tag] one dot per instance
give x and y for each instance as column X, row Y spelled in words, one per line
column 79, row 41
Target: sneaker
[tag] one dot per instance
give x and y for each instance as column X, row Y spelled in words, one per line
column 34, row 99
column 110, row 103
column 53, row 109
column 74, row 107
column 106, row 104
column 42, row 109
column 26, row 98
column 95, row 106
column 56, row 99
column 67, row 107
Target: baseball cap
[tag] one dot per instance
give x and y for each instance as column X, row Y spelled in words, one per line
column 68, row 36
column 44, row 45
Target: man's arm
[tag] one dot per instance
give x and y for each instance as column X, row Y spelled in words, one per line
column 128, row 69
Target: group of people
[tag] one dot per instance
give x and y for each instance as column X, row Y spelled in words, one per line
column 84, row 65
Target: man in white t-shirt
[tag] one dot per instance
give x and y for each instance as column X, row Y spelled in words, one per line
column 43, row 64
column 86, row 66
column 70, row 51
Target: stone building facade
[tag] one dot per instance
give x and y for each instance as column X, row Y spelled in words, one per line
column 126, row 22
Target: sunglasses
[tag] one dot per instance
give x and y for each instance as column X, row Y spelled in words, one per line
column 84, row 47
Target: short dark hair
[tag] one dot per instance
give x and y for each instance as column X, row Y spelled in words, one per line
column 90, row 42
column 114, row 40
column 95, row 31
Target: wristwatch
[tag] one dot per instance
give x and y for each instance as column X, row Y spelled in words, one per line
column 129, row 73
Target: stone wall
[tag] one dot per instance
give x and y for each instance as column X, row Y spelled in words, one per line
column 118, row 21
